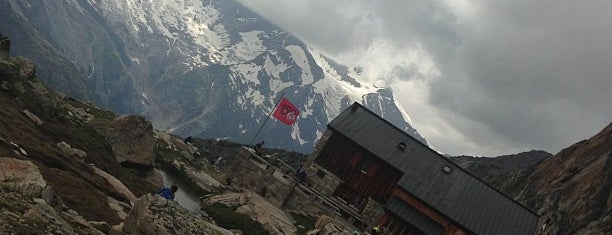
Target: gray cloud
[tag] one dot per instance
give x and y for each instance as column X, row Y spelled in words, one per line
column 539, row 74
column 485, row 77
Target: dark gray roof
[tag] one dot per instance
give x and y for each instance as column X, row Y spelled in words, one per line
column 458, row 195
column 412, row 216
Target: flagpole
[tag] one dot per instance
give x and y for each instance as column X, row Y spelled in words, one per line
column 264, row 123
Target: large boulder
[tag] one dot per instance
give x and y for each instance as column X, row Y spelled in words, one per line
column 155, row 215
column 272, row 219
column 132, row 141
column 20, row 171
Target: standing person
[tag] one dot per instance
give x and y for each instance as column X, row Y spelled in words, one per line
column 168, row 193
column 375, row 230
column 257, row 148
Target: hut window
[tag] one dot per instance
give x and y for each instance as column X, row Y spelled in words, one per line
column 401, row 146
column 446, row 169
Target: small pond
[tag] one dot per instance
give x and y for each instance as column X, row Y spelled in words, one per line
column 185, row 196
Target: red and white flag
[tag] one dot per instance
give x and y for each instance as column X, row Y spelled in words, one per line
column 286, row 112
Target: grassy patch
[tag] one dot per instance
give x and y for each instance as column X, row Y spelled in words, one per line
column 227, row 218
column 307, row 223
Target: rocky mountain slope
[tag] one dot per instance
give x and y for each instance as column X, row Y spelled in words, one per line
column 210, row 69
column 71, row 44
column 570, row 190
column 61, row 141
column 67, row 167
column 497, row 170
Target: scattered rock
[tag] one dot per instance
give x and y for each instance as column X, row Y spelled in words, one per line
column 69, row 151
column 18, row 150
column 32, row 117
column 79, row 113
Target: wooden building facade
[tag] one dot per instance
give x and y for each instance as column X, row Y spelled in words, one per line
column 403, row 185
column 363, row 175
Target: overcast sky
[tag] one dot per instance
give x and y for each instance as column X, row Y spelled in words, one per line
column 481, row 78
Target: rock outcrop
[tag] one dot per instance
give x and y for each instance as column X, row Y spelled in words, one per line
column 155, row 215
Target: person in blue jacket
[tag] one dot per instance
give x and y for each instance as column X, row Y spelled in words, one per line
column 168, row 193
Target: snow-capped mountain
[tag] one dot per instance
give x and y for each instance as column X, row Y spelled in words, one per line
column 210, row 69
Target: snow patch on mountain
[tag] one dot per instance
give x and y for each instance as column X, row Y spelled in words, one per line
column 355, row 92
column 184, row 24
column 336, row 89
column 403, row 112
column 248, row 71
column 250, row 47
column 301, row 60
column 253, row 97
column 274, row 69
column 277, row 85
column 296, row 134
column 305, row 110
